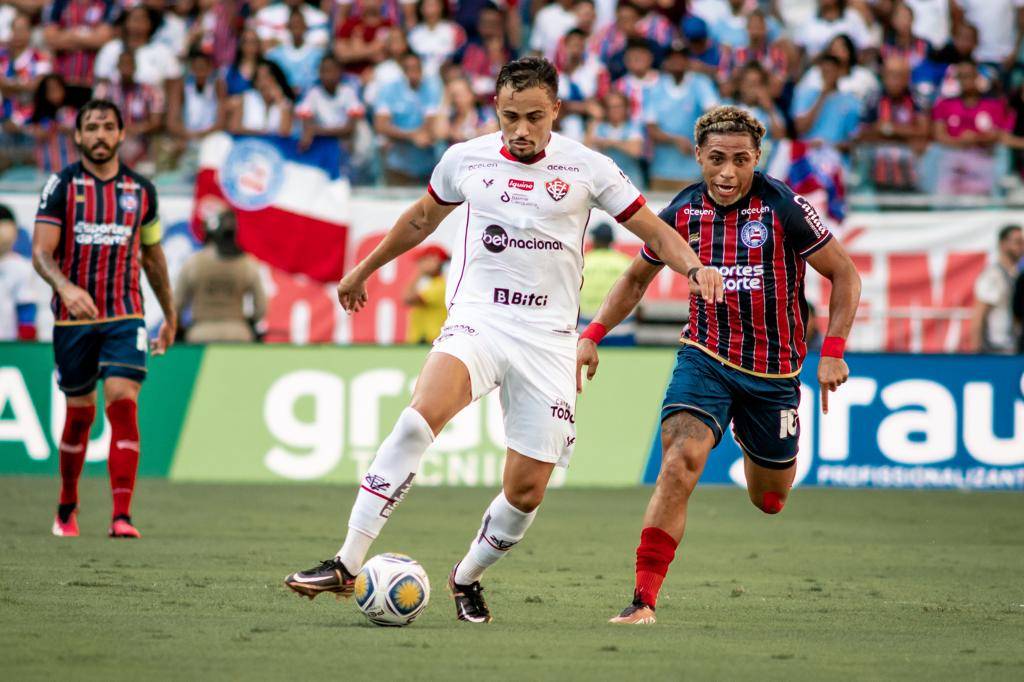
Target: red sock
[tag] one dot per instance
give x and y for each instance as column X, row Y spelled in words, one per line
column 772, row 503
column 123, row 461
column 73, row 443
column 656, row 551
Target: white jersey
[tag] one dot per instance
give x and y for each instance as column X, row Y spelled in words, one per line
column 522, row 244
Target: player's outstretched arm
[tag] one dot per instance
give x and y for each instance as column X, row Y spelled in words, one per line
column 77, row 300
column 155, row 265
column 623, row 297
column 676, row 253
column 415, row 224
column 834, row 263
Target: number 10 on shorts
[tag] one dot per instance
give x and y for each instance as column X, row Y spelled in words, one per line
column 788, row 423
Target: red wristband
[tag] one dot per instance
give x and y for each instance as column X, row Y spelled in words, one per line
column 833, row 347
column 595, row 331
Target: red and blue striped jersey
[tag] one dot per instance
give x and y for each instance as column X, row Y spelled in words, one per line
column 102, row 227
column 76, row 66
column 759, row 244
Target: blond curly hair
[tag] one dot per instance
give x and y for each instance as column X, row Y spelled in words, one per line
column 728, row 120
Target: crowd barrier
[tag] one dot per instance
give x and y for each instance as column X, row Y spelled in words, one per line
column 284, row 413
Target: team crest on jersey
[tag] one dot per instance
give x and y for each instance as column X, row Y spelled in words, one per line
column 129, row 203
column 252, row 174
column 557, row 188
column 754, row 234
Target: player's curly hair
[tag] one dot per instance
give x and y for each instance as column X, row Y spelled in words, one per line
column 728, row 120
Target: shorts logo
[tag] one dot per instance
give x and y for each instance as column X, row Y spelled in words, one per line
column 508, row 297
column 496, row 240
column 754, row 234
column 525, row 185
column 789, row 423
column 253, row 174
column 562, row 410
column 557, row 189
column 129, row 203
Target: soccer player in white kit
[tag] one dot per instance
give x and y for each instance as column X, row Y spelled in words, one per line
column 511, row 319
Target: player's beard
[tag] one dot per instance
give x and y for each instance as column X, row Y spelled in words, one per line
column 87, row 152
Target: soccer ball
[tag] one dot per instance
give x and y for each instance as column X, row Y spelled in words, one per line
column 392, row 590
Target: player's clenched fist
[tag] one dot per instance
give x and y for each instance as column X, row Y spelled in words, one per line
column 352, row 292
column 832, row 373
column 586, row 356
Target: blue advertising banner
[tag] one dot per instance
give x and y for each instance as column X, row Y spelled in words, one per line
column 902, row 421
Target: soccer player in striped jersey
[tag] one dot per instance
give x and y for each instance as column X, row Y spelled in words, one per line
column 96, row 226
column 740, row 359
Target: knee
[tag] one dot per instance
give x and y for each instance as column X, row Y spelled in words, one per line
column 770, row 502
column 681, row 465
column 525, row 497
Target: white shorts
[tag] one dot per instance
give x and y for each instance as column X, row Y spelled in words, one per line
column 536, row 373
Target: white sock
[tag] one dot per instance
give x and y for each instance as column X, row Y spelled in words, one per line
column 385, row 484
column 503, row 526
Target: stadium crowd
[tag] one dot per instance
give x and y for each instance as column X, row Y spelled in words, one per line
column 899, row 95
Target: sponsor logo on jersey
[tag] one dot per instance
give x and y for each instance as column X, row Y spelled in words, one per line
column 48, row 188
column 752, row 210
column 496, row 240
column 488, row 164
column 557, row 188
column 525, row 185
column 811, row 215
column 129, row 203
column 564, row 169
column 742, row 277
column 517, row 199
column 754, row 234
column 102, row 234
column 694, row 211
column 488, row 182
column 563, row 411
column 509, row 297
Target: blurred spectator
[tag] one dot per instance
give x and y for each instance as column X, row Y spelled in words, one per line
column 196, row 112
column 705, row 55
column 425, row 296
column 359, row 41
column 220, row 285
column 753, row 94
column 155, row 62
column 17, row 295
column 22, row 67
column 469, row 12
column 52, row 125
column 11, row 9
column 968, row 128
column 399, row 12
column 141, row 105
column 823, row 114
column 581, row 80
column 271, row 23
column 330, row 108
column 602, row 265
column 898, row 128
column 172, row 29
column 266, row 109
column 833, row 18
column 1018, row 311
column 404, row 118
column 670, row 112
column 617, row 135
column 387, row 71
column 298, row 58
column 1000, row 26
column 239, row 76
column 609, row 43
column 435, row 38
column 655, row 27
column 730, row 28
column 485, row 54
column 74, row 31
column 549, row 25
column 936, row 76
column 640, row 78
column 992, row 324
column 854, row 79
column 932, row 20
column 215, row 30
column 774, row 58
column 460, row 117
column 901, row 41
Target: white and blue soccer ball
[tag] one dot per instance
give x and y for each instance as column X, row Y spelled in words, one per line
column 392, row 590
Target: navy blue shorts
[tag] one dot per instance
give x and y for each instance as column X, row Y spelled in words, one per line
column 86, row 353
column 763, row 411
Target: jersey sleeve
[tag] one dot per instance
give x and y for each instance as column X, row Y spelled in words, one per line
column 801, row 224
column 613, row 192
column 152, row 232
column 53, row 201
column 444, row 183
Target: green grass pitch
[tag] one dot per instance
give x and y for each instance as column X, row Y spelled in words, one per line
column 842, row 585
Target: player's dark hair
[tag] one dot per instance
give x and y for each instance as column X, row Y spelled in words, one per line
column 528, row 72
column 98, row 105
column 1006, row 231
column 728, row 120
